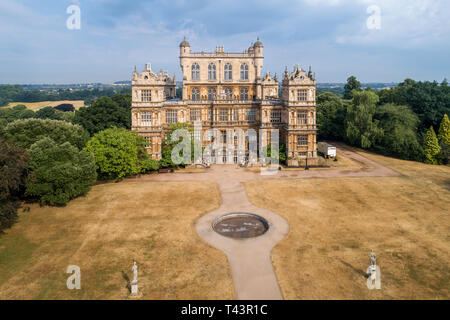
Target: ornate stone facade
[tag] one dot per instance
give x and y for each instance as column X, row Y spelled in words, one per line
column 224, row 90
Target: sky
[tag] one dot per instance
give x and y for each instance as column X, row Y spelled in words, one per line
column 338, row 38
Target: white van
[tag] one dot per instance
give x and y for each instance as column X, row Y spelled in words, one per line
column 327, row 150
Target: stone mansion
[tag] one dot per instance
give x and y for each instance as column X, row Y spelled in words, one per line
column 225, row 90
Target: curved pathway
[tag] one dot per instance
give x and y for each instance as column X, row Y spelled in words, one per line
column 250, row 260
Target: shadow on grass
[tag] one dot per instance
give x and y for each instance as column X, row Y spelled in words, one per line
column 358, row 271
column 127, row 279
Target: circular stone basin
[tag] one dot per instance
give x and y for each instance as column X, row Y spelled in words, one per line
column 240, row 225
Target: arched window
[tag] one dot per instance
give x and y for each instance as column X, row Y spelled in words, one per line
column 228, row 71
column 195, row 71
column 244, row 94
column 195, row 94
column 228, row 93
column 211, row 71
column 211, row 94
column 244, row 71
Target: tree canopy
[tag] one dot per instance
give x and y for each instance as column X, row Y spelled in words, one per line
column 429, row 100
column 60, row 172
column 24, row 133
column 431, row 147
column 119, row 153
column 13, row 171
column 168, row 145
column 399, row 124
column 361, row 129
column 105, row 113
column 331, row 114
column 352, row 84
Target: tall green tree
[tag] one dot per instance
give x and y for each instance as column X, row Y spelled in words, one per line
column 13, row 172
column 399, row 126
column 25, row 133
column 429, row 100
column 331, row 114
column 119, row 153
column 352, row 84
column 281, row 152
column 60, row 172
column 48, row 113
column 361, row 129
column 168, row 145
column 16, row 113
column 444, row 139
column 444, row 130
column 431, row 147
column 105, row 113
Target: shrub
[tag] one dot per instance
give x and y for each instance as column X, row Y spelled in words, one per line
column 24, row 133
column 61, row 172
column 119, row 153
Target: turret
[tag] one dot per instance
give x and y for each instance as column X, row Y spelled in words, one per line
column 258, row 52
column 185, row 48
column 258, row 48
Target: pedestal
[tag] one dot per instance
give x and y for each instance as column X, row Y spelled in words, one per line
column 134, row 287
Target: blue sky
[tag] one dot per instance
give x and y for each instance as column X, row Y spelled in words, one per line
column 330, row 35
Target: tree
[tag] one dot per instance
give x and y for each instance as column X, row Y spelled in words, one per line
column 65, row 107
column 352, row 84
column 431, row 147
column 429, row 100
column 47, row 113
column 16, row 113
column 331, row 113
column 444, row 130
column 361, row 129
column 60, row 172
column 281, row 152
column 444, row 139
column 105, row 113
column 168, row 145
column 399, row 126
column 24, row 133
column 119, row 153
column 13, row 171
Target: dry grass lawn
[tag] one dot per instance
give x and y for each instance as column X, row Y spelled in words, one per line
column 39, row 105
column 335, row 222
column 102, row 233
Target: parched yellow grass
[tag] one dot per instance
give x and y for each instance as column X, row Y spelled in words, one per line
column 335, row 222
column 102, row 233
column 39, row 105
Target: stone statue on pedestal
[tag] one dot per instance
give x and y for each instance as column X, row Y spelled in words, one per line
column 134, row 283
column 374, row 273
